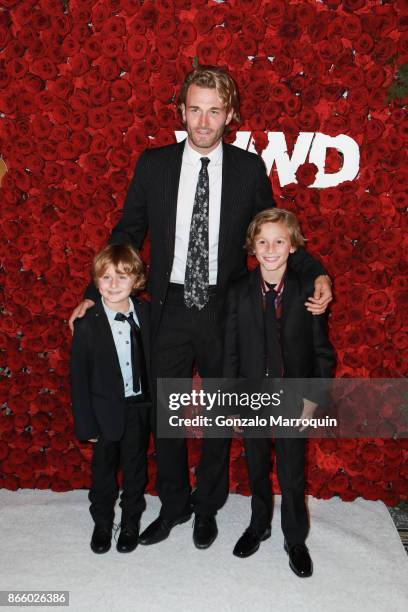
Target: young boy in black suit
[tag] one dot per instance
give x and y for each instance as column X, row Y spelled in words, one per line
column 110, row 394
column 269, row 333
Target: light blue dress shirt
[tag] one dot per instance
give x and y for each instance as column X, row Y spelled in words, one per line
column 121, row 337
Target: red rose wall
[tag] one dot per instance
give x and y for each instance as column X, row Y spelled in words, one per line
column 85, row 86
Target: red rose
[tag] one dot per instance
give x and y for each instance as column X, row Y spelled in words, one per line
column 120, row 158
column 254, row 28
column 113, row 135
column 370, row 452
column 352, row 360
column 306, row 174
column 339, row 483
column 384, row 50
column 112, row 47
column 305, row 14
column 121, row 89
column 204, row 21
column 164, row 92
column 318, row 28
column 4, row 450
column 374, row 333
column 375, row 77
column 109, row 69
column 59, row 485
column 378, row 302
column 136, row 141
column 11, row 483
column 97, row 117
column 113, row 27
column 220, row 37
column 274, row 12
column 168, row 47
column 99, row 95
column 207, row 53
column 166, row 25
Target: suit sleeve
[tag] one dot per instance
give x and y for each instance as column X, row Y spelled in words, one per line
column 263, row 191
column 231, row 347
column 305, row 265
column 323, row 362
column 132, row 226
column 85, row 424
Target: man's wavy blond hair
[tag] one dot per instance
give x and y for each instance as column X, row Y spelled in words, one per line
column 213, row 77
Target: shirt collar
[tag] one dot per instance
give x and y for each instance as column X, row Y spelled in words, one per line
column 193, row 157
column 111, row 314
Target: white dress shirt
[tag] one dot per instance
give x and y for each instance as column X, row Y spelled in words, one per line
column 121, row 337
column 190, row 169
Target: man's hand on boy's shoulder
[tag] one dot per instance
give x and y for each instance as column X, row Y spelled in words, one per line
column 79, row 312
column 322, row 295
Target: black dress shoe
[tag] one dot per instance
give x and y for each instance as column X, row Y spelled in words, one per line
column 205, row 531
column 101, row 539
column 160, row 529
column 250, row 541
column 299, row 560
column 128, row 539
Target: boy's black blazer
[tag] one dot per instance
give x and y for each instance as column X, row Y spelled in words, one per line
column 307, row 352
column 97, row 390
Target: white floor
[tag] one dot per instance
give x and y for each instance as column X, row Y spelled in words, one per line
column 359, row 561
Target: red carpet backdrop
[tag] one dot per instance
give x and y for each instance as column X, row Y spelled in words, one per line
column 85, row 86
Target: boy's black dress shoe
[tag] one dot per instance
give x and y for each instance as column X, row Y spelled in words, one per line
column 128, row 539
column 205, row 531
column 250, row 541
column 101, row 539
column 299, row 559
column 160, row 529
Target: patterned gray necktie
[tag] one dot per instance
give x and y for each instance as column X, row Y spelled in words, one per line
column 196, row 279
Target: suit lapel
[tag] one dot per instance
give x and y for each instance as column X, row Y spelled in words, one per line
column 229, row 199
column 104, row 337
column 171, row 185
column 256, row 298
column 142, row 315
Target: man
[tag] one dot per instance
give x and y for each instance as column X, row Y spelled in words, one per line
column 197, row 199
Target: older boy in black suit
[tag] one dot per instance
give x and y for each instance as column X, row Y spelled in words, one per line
column 269, row 333
column 110, row 394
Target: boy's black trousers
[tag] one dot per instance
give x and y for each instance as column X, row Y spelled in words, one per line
column 290, row 464
column 130, row 454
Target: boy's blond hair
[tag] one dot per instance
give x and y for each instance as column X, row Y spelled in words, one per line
column 274, row 215
column 124, row 258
